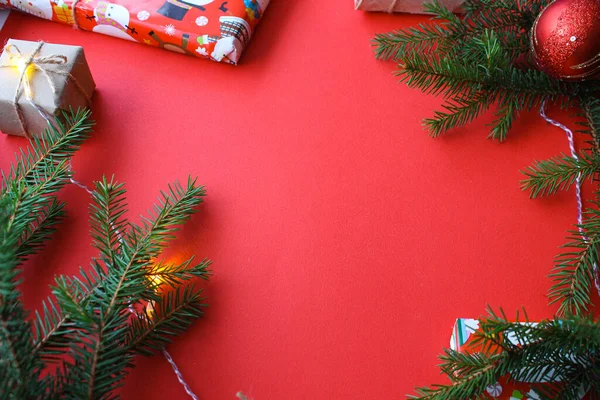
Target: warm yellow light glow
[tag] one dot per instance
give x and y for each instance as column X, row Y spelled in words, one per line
column 156, row 278
column 150, row 309
column 21, row 64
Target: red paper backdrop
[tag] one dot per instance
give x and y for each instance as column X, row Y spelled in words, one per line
column 345, row 241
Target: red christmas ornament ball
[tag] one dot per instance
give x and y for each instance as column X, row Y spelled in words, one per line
column 565, row 39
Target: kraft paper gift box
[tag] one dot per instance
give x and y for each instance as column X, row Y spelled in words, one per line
column 68, row 84
column 404, row 6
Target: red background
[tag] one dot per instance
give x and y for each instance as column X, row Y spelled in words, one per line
column 345, row 241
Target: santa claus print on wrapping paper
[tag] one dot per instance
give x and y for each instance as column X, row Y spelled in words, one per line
column 112, row 20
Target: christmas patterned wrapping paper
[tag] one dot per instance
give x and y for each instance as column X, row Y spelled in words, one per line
column 214, row 29
column 405, row 6
column 461, row 341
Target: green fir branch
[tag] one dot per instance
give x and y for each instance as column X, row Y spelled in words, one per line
column 37, row 175
column 56, row 143
column 54, row 329
column 575, row 270
column 507, row 112
column 562, row 350
column 478, row 372
column 394, row 45
column 172, row 209
column 457, row 114
column 104, row 314
column 51, row 323
column 591, row 111
column 107, row 222
column 547, row 177
column 174, row 275
column 88, row 316
column 151, row 330
column 37, row 232
column 19, row 371
column 505, row 18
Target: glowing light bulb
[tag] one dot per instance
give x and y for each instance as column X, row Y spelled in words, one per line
column 150, row 309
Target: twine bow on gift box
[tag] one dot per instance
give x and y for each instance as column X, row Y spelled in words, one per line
column 44, row 65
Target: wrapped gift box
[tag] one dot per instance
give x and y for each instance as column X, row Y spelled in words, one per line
column 67, row 83
column 405, row 6
column 214, row 29
column 461, row 341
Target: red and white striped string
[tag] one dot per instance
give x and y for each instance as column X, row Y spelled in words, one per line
column 571, row 141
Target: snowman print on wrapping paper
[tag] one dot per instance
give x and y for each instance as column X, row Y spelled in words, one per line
column 177, row 9
column 112, row 20
column 39, row 8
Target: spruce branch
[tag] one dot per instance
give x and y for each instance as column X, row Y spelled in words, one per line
column 507, row 113
column 88, row 316
column 478, row 372
column 54, row 329
column 107, row 222
column 174, row 275
column 554, row 351
column 29, row 200
column 458, row 113
column 37, row 175
column 40, row 230
column 57, row 143
column 172, row 209
column 591, row 109
column 151, row 330
column 104, row 313
column 574, row 271
column 481, row 58
column 559, row 173
column 18, row 369
column 29, row 213
column 52, row 332
column 449, row 32
column 394, row 45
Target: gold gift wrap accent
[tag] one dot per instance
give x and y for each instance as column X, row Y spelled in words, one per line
column 41, row 64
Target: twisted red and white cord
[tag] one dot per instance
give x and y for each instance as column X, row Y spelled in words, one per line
column 185, row 385
column 571, row 141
